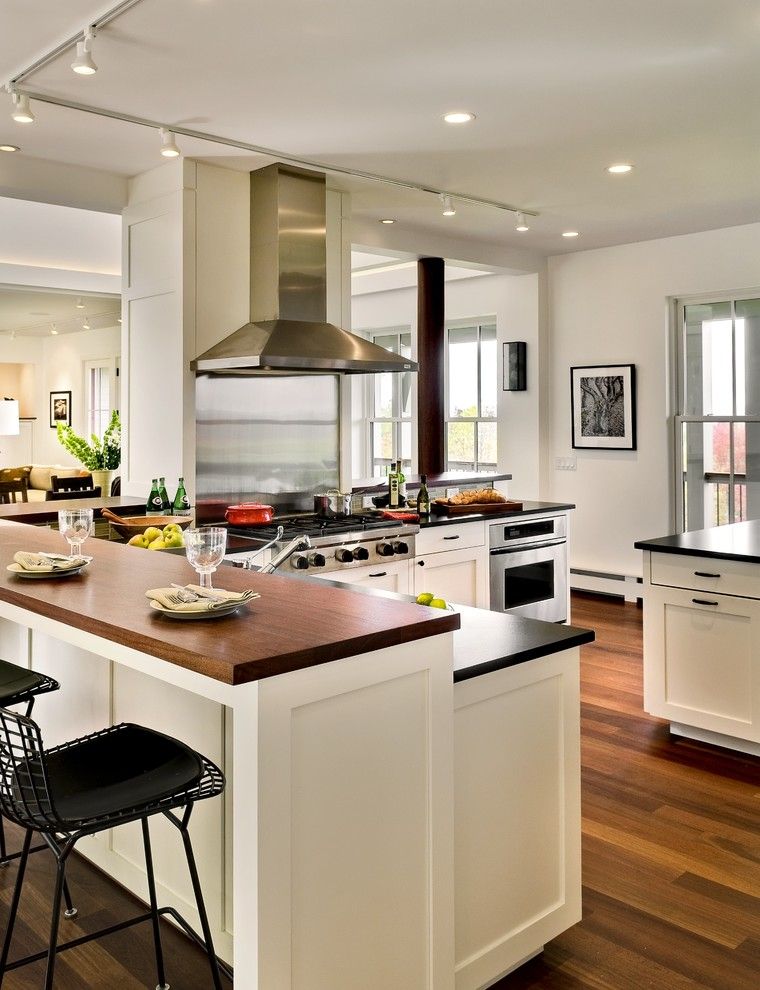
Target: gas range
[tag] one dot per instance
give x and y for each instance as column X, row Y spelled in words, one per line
column 336, row 544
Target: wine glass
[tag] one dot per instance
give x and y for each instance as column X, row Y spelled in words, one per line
column 205, row 551
column 75, row 525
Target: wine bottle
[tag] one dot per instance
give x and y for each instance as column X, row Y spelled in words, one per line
column 153, row 505
column 423, row 497
column 181, row 502
column 401, row 484
column 393, row 486
column 166, row 505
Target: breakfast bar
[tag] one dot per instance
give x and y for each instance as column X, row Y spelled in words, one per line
column 340, row 848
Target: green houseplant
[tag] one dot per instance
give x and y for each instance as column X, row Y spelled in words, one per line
column 101, row 456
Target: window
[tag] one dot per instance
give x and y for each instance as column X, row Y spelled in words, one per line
column 390, row 407
column 100, row 394
column 471, row 377
column 718, row 412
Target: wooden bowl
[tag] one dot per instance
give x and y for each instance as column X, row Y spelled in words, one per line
column 132, row 525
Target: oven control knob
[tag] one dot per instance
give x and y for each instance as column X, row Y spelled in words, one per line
column 317, row 559
column 344, row 555
column 385, row 549
column 299, row 562
column 400, row 547
column 361, row 553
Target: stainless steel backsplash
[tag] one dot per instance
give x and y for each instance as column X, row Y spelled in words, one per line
column 272, row 439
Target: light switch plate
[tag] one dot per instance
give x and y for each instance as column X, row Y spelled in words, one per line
column 565, row 464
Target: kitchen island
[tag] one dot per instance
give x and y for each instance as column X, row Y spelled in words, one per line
column 702, row 633
column 333, row 715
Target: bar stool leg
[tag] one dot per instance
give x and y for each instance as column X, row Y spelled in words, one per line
column 215, row 976
column 71, row 911
column 14, row 903
column 162, row 984
column 59, row 882
column 3, row 850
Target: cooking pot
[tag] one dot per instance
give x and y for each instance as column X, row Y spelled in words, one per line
column 249, row 514
column 332, row 504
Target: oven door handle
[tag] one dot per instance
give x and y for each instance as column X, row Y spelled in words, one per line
column 522, row 547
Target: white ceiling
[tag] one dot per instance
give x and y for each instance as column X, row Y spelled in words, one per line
column 31, row 313
column 561, row 90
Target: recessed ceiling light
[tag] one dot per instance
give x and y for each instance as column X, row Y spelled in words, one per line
column 569, row 233
column 620, row 168
column 9, row 147
column 387, row 220
column 521, row 223
column 458, row 117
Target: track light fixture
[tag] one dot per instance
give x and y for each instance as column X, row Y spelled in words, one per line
column 85, row 324
column 53, row 330
column 448, row 206
column 83, row 64
column 169, row 147
column 79, row 303
column 521, row 224
column 22, row 111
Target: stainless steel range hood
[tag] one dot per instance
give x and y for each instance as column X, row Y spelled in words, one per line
column 289, row 331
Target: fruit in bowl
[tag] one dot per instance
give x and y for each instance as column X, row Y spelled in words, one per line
column 431, row 600
column 154, row 538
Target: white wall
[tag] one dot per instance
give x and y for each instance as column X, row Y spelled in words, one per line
column 612, row 305
column 514, row 302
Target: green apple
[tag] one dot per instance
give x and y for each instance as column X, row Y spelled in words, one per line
column 171, row 527
column 425, row 598
column 157, row 544
column 139, row 541
column 152, row 533
column 438, row 603
column 174, row 538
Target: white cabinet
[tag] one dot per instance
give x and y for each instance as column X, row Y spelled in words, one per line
column 702, row 648
column 393, row 576
column 517, row 854
column 456, row 575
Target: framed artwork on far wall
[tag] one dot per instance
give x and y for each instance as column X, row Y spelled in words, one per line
column 60, row 409
column 603, row 400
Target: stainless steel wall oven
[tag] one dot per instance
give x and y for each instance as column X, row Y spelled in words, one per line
column 528, row 567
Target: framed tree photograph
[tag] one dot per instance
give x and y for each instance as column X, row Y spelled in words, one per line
column 60, row 409
column 603, row 399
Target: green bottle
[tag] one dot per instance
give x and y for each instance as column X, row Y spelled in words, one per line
column 423, row 497
column 393, row 486
column 166, row 506
column 153, row 505
column 181, row 502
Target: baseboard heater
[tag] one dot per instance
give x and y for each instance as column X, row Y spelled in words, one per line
column 621, row 585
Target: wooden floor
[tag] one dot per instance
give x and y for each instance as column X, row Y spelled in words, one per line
column 671, row 860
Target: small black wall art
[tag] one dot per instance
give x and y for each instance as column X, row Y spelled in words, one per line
column 603, row 399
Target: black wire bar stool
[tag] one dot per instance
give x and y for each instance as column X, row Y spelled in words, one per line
column 121, row 774
column 19, row 686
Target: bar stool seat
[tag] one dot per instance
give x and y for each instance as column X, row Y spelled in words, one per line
column 18, row 685
column 121, row 774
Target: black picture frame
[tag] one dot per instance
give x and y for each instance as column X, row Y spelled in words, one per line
column 60, row 409
column 603, row 406
column 515, row 377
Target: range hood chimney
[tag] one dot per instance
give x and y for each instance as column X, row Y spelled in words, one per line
column 289, row 332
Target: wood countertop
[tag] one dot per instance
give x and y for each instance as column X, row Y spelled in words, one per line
column 45, row 512
column 293, row 625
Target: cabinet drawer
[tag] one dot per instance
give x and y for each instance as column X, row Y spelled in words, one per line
column 725, row 577
column 452, row 537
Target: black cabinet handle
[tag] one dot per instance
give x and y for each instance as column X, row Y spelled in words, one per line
column 420, row 563
column 703, row 601
column 379, row 574
column 452, row 537
column 705, row 574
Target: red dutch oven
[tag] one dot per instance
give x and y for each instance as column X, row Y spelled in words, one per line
column 249, row 514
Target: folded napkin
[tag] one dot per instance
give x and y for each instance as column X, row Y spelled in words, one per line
column 200, row 599
column 47, row 562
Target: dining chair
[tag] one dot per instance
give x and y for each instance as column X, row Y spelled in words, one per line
column 10, row 489
column 79, row 483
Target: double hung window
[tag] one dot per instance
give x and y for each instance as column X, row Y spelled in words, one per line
column 718, row 412
column 390, row 406
column 471, row 377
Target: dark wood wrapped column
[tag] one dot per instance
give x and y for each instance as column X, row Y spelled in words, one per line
column 431, row 344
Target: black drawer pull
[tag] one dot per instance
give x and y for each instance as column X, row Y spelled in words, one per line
column 452, row 537
column 379, row 574
column 705, row 574
column 420, row 563
column 703, row 601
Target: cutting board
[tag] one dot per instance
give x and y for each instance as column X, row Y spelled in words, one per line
column 442, row 509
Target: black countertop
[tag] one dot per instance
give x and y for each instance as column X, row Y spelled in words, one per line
column 488, row 641
column 529, row 508
column 450, row 479
column 739, row 541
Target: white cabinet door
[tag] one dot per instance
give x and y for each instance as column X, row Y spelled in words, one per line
column 388, row 577
column 516, row 814
column 702, row 660
column 456, row 575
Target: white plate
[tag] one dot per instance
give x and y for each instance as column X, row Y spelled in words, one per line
column 216, row 613
column 19, row 571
